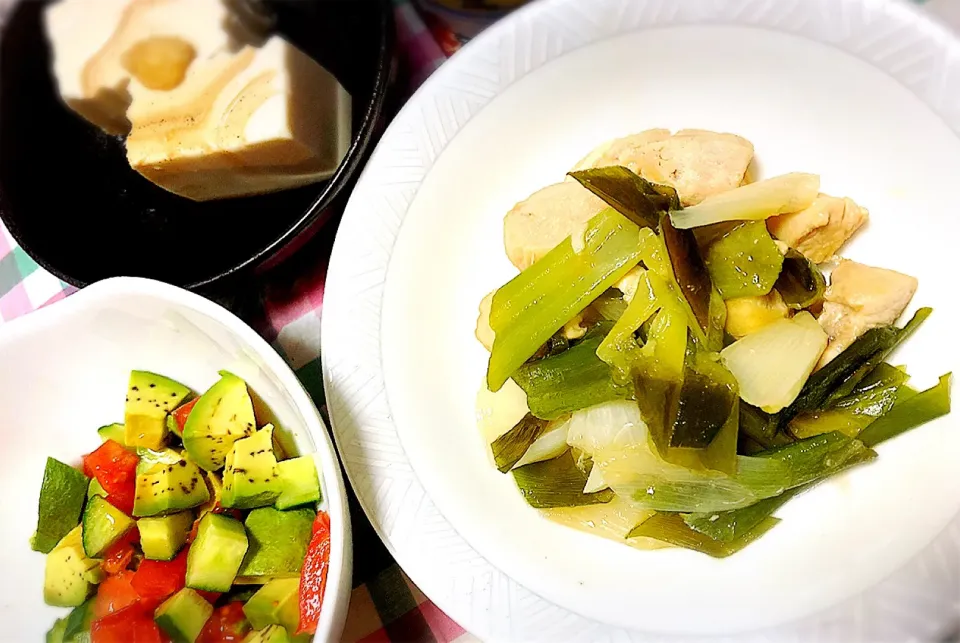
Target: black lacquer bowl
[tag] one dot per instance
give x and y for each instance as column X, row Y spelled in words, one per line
column 72, row 202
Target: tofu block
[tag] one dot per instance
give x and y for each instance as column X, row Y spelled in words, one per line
column 251, row 122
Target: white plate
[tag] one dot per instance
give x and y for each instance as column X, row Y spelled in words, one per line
column 63, row 371
column 865, row 93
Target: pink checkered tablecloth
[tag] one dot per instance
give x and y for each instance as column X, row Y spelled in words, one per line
column 385, row 605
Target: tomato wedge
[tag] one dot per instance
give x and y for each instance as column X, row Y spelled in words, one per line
column 313, row 575
column 131, row 625
column 117, row 558
column 115, row 594
column 181, row 413
column 115, row 469
column 227, row 624
column 158, row 579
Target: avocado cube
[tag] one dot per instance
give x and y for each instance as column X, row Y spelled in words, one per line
column 162, row 537
column 299, row 483
column 149, row 398
column 269, row 634
column 70, row 574
column 61, row 500
column 221, row 416
column 251, row 477
column 183, row 615
column 103, row 525
column 216, row 554
column 278, row 543
column 276, row 603
column 166, row 488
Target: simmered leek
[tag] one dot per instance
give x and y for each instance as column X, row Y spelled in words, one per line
column 910, row 413
column 670, row 528
column 800, row 284
column 556, row 483
column 510, row 447
column 630, row 195
column 744, row 261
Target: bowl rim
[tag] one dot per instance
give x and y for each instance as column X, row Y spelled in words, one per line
column 459, row 580
column 339, row 579
column 349, row 167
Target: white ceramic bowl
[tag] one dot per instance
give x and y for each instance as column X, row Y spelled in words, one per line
column 63, row 370
column 863, row 92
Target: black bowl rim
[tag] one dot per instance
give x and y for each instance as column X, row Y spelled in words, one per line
column 334, row 186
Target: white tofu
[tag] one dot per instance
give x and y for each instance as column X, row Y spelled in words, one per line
column 257, row 121
column 91, row 40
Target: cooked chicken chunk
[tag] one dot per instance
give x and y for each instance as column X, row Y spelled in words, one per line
column 860, row 298
column 697, row 163
column 535, row 226
column 820, row 230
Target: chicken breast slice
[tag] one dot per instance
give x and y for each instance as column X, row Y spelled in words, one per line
column 698, row 163
column 819, row 231
column 537, row 225
column 860, row 298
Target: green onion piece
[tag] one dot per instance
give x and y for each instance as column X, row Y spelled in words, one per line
column 819, row 457
column 841, row 375
column 510, row 447
column 631, row 196
column 671, row 529
column 535, row 304
column 705, row 402
column 761, row 427
column 728, row 526
column 610, row 305
column 800, row 284
column 689, row 270
column 570, row 381
column 910, row 413
column 752, row 202
column 557, row 483
column 743, row 261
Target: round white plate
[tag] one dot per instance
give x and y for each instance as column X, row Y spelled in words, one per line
column 864, row 92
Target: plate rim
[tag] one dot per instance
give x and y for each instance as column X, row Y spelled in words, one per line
column 351, row 359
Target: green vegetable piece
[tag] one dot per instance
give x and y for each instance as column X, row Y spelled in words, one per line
column 269, row 634
column 162, row 537
column 671, row 529
column 801, row 284
column 96, row 489
column 168, row 488
column 570, row 381
column 251, row 477
column 103, row 525
column 910, row 413
column 631, row 195
column 843, row 373
column 221, row 416
column 216, row 554
column 70, row 574
column 299, row 483
column 820, row 457
column 729, row 526
column 149, row 398
column 183, row 615
column 706, row 400
column 276, row 603
column 761, row 427
column 744, row 261
column 115, row 432
column 62, row 493
column 78, row 623
column 690, row 271
column 610, row 304
column 557, row 483
column 55, row 634
column 278, row 543
column 535, row 304
column 510, row 447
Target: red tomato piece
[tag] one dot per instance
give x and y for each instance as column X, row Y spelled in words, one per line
column 117, row 558
column 313, row 575
column 115, row 594
column 180, row 413
column 158, row 579
column 115, row 469
column 131, row 625
column 227, row 624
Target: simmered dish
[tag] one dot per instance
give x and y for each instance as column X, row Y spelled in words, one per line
column 211, row 106
column 671, row 365
column 188, row 523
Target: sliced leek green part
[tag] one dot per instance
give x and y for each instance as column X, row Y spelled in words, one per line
column 670, row 528
column 557, row 483
column 632, row 196
column 744, row 261
column 910, row 413
column 800, row 284
column 510, row 447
